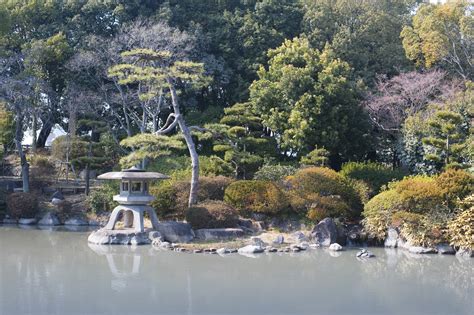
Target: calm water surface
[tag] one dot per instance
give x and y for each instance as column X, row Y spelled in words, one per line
column 57, row 272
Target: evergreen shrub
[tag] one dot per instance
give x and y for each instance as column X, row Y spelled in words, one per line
column 212, row 214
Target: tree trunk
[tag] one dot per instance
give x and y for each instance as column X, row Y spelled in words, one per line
column 44, row 133
column 35, row 133
column 25, row 167
column 191, row 147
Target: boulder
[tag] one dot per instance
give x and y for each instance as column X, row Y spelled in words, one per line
column 76, row 221
column 251, row 226
column 356, row 234
column 392, row 238
column 57, row 195
column 49, row 219
column 258, row 241
column 279, row 240
column 300, row 236
column 325, row 233
column 445, row 249
column 364, row 253
column 10, row 221
column 27, row 221
column 118, row 237
column 223, row 251
column 250, row 249
column 176, row 232
column 335, row 247
column 465, row 253
column 218, row 234
column 422, row 250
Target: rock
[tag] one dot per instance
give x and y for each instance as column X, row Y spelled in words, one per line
column 197, row 251
column 118, row 237
column 27, row 221
column 300, row 236
column 445, row 249
column 76, row 221
column 10, row 221
column 335, row 247
column 155, row 236
column 279, row 240
column 295, row 249
column 341, row 233
column 233, row 250
column 303, row 245
column 422, row 250
column 325, row 233
column 218, row 234
column 392, row 238
column 465, row 253
column 223, row 251
column 272, row 250
column 176, row 232
column 250, row 249
column 258, row 241
column 364, row 253
column 94, row 223
column 356, row 234
column 49, row 219
column 57, row 195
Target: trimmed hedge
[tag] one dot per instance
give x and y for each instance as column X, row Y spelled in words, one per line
column 172, row 196
column 22, row 205
column 212, row 214
column 256, row 196
column 375, row 175
column 309, row 184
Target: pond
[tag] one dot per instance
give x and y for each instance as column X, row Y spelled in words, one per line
column 57, row 272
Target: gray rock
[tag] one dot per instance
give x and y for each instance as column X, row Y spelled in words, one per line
column 279, row 240
column 155, row 236
column 223, row 251
column 176, row 232
column 300, row 236
column 118, row 237
column 57, row 202
column 356, row 234
column 465, row 253
column 422, row 250
column 218, row 234
column 303, row 245
column 445, row 249
column 197, row 251
column 364, row 253
column 49, row 219
column 94, row 223
column 325, row 233
column 57, row 195
column 272, row 250
column 335, row 247
column 10, row 221
column 76, row 221
column 258, row 241
column 392, row 238
column 27, row 221
column 250, row 249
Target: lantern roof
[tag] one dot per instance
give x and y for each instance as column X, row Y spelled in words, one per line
column 133, row 173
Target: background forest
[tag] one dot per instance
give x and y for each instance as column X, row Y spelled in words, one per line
column 280, row 93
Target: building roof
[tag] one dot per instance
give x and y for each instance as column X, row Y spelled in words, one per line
column 133, row 173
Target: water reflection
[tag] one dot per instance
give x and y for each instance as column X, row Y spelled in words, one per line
column 57, row 272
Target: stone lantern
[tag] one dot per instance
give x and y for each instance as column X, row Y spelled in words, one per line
column 133, row 202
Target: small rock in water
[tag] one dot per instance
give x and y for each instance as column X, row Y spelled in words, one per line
column 422, row 250
column 303, row 245
column 233, row 250
column 76, row 221
column 272, row 250
column 27, row 221
column 222, row 251
column 197, row 251
column 49, row 219
column 279, row 240
column 299, row 236
column 364, row 253
column 444, row 249
column 335, row 247
column 250, row 249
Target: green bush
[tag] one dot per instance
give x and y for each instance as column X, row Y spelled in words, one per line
column 77, row 148
column 375, row 175
column 419, row 194
column 101, row 198
column 309, row 183
column 419, row 229
column 171, row 197
column 274, row 173
column 378, row 213
column 327, row 206
column 214, row 166
column 255, row 196
column 455, row 185
column 212, row 214
column 461, row 230
column 22, row 205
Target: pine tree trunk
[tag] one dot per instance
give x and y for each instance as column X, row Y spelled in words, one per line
column 190, row 144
